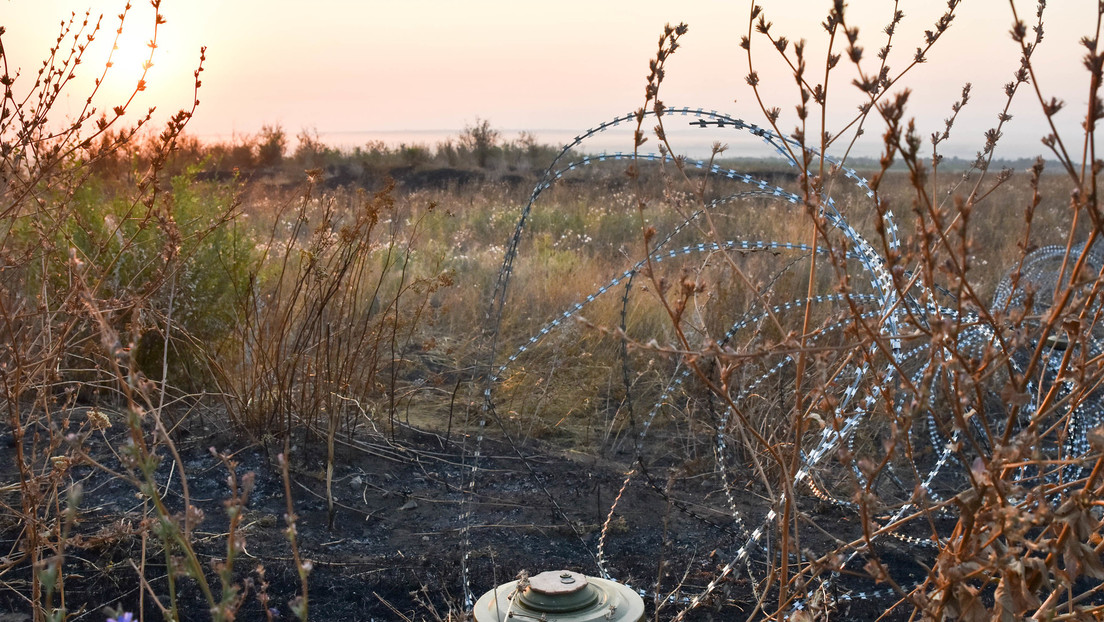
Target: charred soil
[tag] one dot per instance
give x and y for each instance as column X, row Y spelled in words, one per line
column 407, row 510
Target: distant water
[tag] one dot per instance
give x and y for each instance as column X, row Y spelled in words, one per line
column 687, row 140
column 692, row 142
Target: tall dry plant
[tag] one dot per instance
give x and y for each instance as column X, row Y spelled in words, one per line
column 334, row 303
column 962, row 425
column 81, row 283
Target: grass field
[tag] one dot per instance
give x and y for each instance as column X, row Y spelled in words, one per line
column 243, row 382
column 251, row 358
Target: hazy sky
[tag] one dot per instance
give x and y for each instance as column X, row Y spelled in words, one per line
column 369, row 65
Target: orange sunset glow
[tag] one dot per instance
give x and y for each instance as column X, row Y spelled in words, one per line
column 358, row 70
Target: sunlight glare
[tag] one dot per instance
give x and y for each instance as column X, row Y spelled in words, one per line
column 130, row 61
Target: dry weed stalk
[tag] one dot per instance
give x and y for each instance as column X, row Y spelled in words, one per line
column 921, row 361
column 893, row 388
column 76, row 299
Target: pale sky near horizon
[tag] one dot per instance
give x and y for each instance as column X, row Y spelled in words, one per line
column 345, row 66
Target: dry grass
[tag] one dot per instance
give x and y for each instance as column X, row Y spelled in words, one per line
column 137, row 283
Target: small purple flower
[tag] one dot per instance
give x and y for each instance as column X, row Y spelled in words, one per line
column 126, row 616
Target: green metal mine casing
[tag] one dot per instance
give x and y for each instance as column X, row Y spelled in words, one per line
column 560, row 596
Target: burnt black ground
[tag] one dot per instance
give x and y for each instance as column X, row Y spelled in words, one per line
column 398, row 533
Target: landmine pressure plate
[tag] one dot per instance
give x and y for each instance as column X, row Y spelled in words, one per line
column 560, row 596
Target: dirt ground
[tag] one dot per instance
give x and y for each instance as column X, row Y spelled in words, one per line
column 395, row 546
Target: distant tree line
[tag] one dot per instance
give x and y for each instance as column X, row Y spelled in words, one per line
column 478, row 147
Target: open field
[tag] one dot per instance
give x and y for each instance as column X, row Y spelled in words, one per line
column 381, row 424
column 240, row 381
